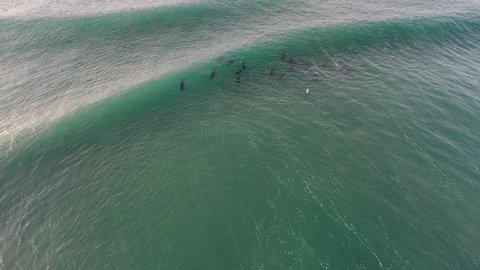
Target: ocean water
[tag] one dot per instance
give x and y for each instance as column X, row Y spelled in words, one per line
column 106, row 164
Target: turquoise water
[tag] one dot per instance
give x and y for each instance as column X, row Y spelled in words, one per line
column 106, row 164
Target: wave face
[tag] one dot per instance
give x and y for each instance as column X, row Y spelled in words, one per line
column 358, row 150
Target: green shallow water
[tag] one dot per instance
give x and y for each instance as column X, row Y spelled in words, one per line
column 112, row 167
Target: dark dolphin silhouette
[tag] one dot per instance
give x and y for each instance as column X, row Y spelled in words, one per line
column 182, row 85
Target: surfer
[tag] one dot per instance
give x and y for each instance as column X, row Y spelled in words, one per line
column 271, row 72
column 243, row 65
column 283, row 56
column 182, row 85
column 238, row 78
column 214, row 72
column 238, row 72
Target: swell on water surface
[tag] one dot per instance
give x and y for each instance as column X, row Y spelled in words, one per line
column 83, row 59
column 321, row 44
column 368, row 170
column 309, row 46
column 84, row 34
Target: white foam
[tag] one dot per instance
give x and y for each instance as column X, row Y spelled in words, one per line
column 55, row 8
